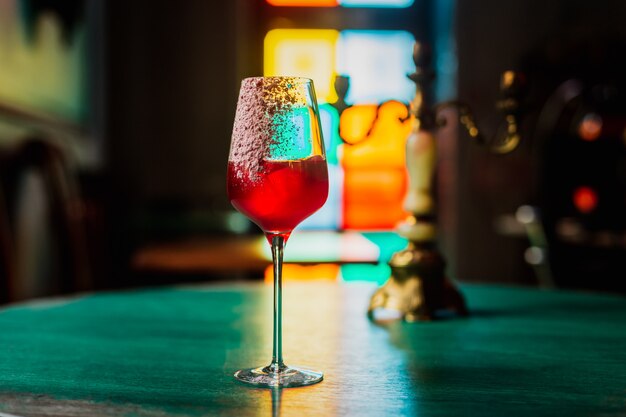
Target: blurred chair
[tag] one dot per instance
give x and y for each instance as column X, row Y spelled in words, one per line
column 67, row 254
column 7, row 272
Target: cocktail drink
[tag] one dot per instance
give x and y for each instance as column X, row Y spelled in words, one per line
column 282, row 195
column 277, row 177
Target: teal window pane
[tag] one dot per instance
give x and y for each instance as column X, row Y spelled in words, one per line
column 329, row 116
column 388, row 243
column 377, row 62
column 368, row 273
column 376, row 3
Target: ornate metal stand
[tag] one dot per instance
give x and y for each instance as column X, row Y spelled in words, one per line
column 418, row 288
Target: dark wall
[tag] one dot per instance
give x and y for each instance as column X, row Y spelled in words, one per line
column 172, row 80
column 171, row 98
column 538, row 37
column 173, row 70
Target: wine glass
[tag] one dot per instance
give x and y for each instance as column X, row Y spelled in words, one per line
column 277, row 177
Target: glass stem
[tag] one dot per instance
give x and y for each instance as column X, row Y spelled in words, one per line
column 278, row 244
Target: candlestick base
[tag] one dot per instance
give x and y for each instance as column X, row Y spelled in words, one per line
column 417, row 289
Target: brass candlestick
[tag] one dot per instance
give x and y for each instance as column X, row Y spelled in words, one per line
column 418, row 288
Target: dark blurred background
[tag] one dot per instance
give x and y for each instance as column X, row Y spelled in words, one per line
column 115, row 122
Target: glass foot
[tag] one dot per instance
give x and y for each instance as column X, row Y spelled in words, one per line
column 285, row 377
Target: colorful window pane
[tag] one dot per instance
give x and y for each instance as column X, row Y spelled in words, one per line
column 377, row 63
column 374, row 167
column 295, row 272
column 329, row 216
column 305, row 53
column 305, row 3
column 388, row 243
column 376, row 3
column 386, row 135
column 357, row 121
column 343, row 3
column 330, row 131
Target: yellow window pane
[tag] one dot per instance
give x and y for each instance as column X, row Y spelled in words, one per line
column 380, row 141
column 356, row 122
column 306, row 53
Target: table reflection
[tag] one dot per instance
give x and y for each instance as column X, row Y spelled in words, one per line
column 325, row 327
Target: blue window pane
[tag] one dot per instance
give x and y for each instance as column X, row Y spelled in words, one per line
column 377, row 63
column 375, row 3
column 329, row 216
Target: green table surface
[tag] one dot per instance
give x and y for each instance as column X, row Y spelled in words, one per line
column 172, row 352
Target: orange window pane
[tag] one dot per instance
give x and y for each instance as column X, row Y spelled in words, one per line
column 373, row 197
column 307, row 3
column 390, row 185
column 375, row 176
column 294, row 272
column 370, row 217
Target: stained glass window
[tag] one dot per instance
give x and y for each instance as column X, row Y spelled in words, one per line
column 376, row 3
column 367, row 175
column 343, row 3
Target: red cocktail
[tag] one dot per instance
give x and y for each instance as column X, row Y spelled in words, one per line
column 281, row 194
